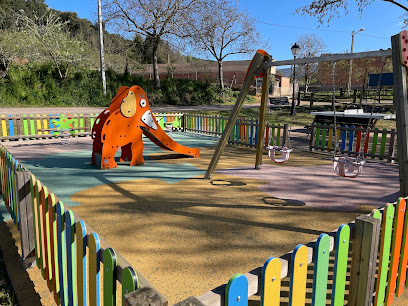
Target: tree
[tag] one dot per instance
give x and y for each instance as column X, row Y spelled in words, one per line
column 220, row 29
column 325, row 10
column 310, row 46
column 54, row 42
column 153, row 19
column 13, row 47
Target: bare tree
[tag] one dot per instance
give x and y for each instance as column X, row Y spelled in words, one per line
column 325, row 10
column 221, row 29
column 154, row 19
column 311, row 45
column 14, row 45
column 52, row 40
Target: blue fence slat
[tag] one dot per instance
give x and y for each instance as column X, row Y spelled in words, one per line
column 351, row 139
column 11, row 126
column 343, row 139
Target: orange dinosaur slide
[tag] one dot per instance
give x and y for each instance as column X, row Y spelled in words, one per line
column 122, row 125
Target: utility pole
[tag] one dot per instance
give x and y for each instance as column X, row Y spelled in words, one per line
column 351, row 62
column 103, row 77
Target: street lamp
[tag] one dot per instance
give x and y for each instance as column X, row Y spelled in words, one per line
column 351, row 62
column 295, row 51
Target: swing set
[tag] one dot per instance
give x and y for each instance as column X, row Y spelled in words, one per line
column 343, row 165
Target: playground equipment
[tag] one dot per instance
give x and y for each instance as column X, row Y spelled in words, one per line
column 253, row 71
column 122, row 125
column 341, row 163
column 262, row 62
column 351, row 166
column 285, row 150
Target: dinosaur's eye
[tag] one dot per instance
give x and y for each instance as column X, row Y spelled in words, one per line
column 143, row 103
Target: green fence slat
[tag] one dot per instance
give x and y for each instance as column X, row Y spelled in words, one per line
column 321, row 270
column 130, row 282
column 341, row 248
column 374, row 143
column 383, row 143
column 317, row 137
column 324, row 132
column 109, row 280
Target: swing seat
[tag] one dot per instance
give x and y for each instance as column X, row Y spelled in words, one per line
column 348, row 166
column 284, row 153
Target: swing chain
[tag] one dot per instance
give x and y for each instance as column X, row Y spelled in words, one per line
column 336, row 148
column 378, row 92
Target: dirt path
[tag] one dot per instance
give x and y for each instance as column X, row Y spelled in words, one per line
column 98, row 110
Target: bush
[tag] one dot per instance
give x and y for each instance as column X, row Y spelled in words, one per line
column 40, row 85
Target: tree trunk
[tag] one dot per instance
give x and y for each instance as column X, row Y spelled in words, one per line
column 307, row 85
column 220, row 75
column 155, row 47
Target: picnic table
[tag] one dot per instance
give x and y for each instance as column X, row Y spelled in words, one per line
column 355, row 117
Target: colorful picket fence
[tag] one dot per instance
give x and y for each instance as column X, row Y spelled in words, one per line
column 42, row 126
column 373, row 143
column 244, row 132
column 68, row 252
column 380, row 236
column 47, row 126
column 175, row 120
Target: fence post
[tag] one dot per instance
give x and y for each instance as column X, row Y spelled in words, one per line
column 355, row 96
column 311, row 100
column 363, row 261
column 391, row 149
column 298, row 98
column 401, row 111
column 25, row 213
column 285, row 134
column 190, row 301
column 144, row 296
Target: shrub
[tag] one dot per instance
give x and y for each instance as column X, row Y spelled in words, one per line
column 40, row 85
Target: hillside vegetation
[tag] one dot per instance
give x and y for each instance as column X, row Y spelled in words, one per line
column 51, row 58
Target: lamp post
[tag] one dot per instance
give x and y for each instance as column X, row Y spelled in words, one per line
column 295, row 51
column 351, row 62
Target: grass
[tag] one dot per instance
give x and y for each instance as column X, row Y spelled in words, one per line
column 282, row 115
column 7, row 297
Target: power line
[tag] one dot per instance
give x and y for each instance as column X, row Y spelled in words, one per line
column 316, row 29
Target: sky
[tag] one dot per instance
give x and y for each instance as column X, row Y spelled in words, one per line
column 280, row 26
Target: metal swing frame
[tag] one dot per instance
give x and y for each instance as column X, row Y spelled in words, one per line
column 261, row 63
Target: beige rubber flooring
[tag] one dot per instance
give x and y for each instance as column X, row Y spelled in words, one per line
column 192, row 236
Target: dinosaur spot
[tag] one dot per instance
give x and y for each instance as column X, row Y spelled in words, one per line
column 107, row 111
column 107, row 123
column 97, row 121
column 103, row 137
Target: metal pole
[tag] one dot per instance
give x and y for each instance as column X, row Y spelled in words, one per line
column 101, row 53
column 293, row 111
column 351, row 66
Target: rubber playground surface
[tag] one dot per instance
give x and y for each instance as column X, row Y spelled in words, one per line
column 188, row 235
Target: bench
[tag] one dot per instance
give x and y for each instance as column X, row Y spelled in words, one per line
column 279, row 101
